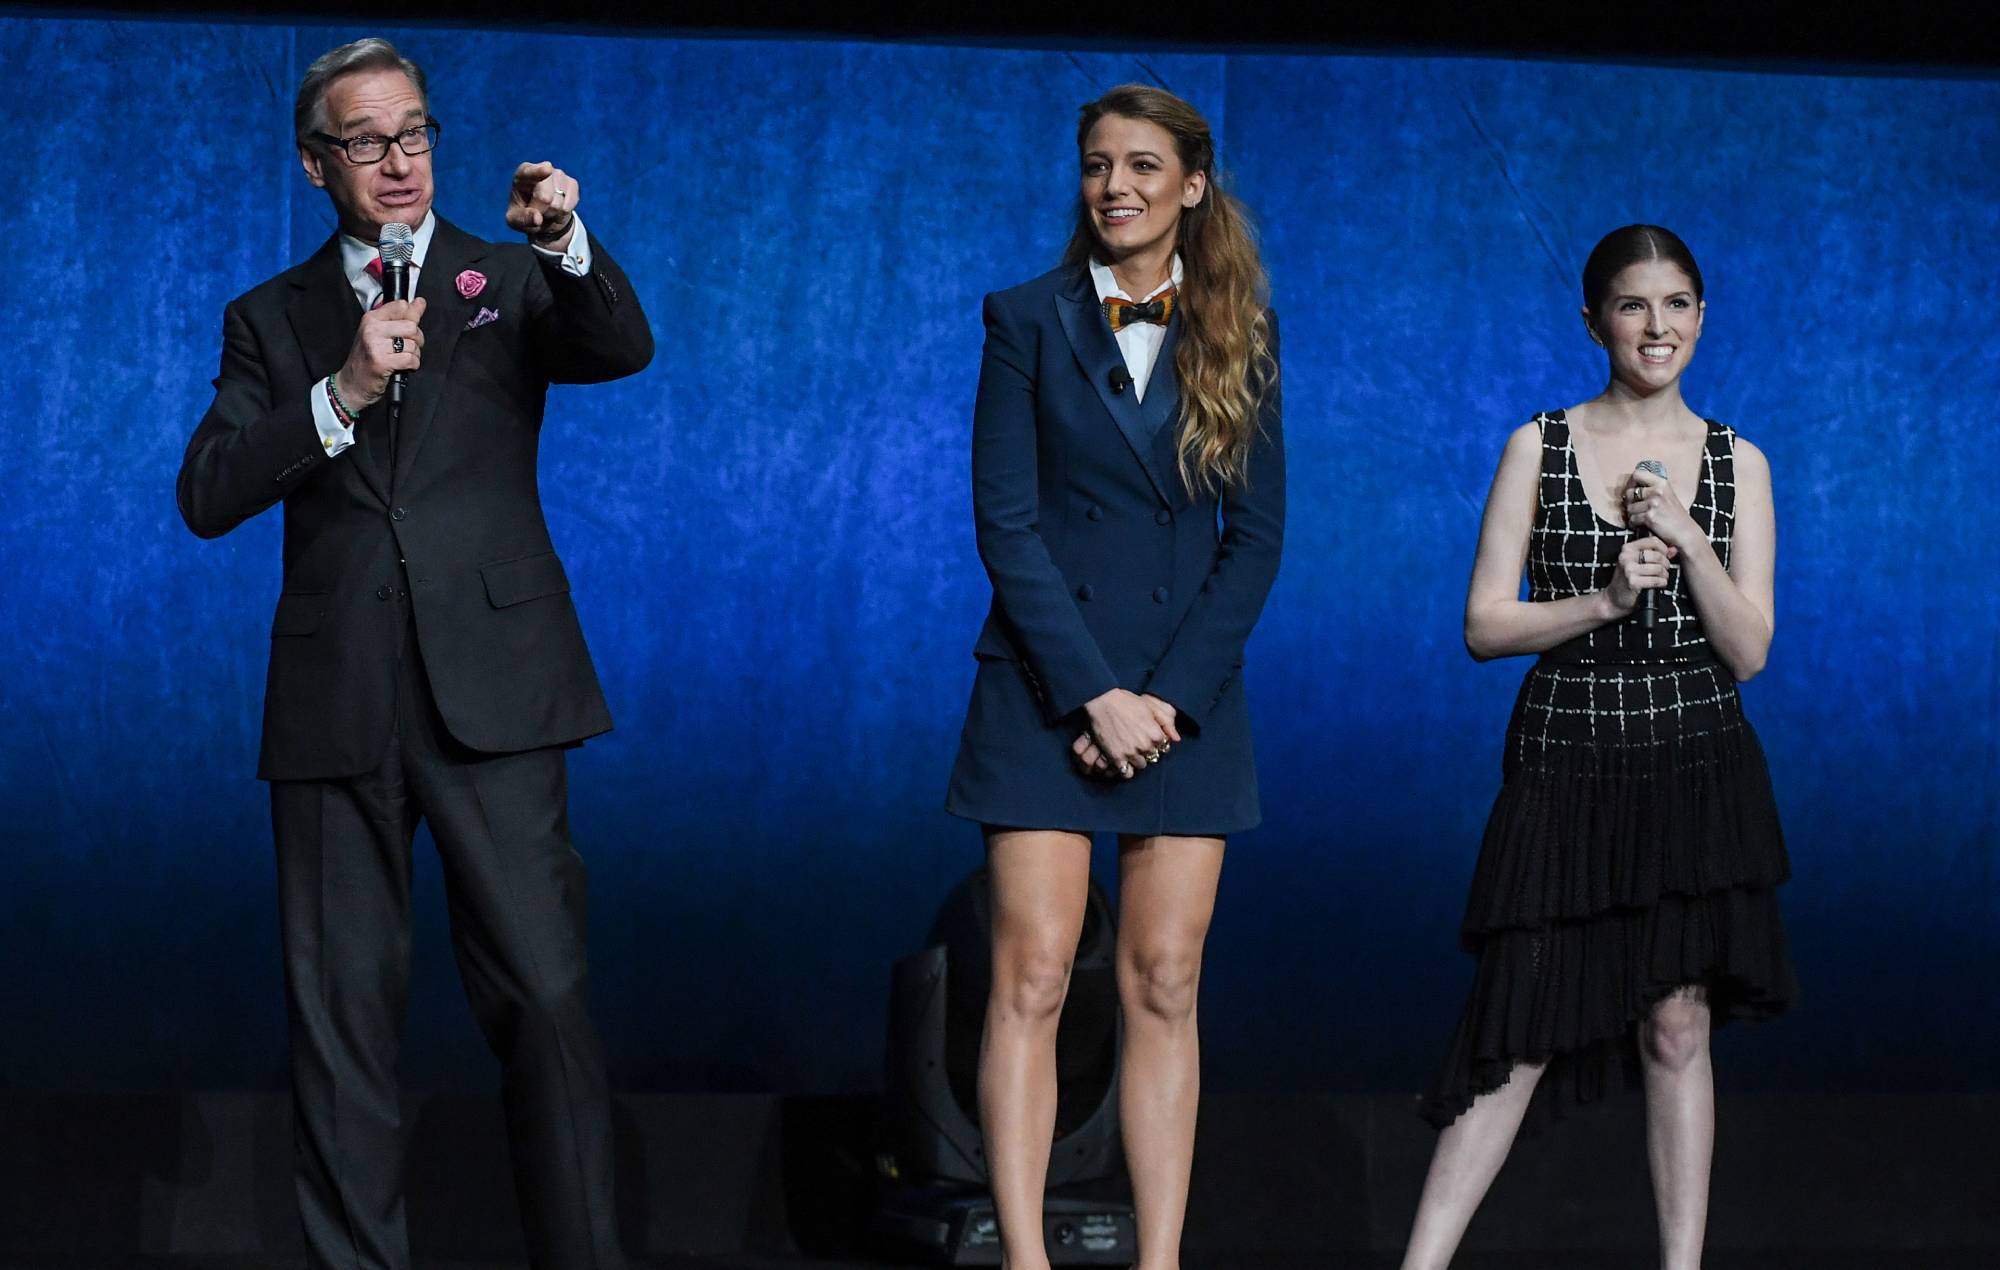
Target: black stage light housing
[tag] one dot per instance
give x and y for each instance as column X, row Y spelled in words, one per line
column 937, row 1013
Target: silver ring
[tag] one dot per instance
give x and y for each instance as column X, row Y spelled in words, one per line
column 396, row 343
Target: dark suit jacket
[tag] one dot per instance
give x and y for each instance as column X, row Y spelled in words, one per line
column 455, row 532
column 1107, row 572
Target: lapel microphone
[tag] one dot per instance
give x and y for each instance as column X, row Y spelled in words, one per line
column 1121, row 379
column 1647, row 612
column 398, row 247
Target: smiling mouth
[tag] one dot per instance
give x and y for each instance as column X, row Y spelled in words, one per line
column 1656, row 352
column 1120, row 215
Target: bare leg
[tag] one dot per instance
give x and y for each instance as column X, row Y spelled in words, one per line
column 1680, row 1122
column 1468, row 1157
column 1166, row 895
column 1041, row 883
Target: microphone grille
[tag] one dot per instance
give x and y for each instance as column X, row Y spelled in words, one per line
column 1654, row 466
column 398, row 244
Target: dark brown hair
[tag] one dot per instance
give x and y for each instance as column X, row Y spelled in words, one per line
column 1223, row 360
column 1628, row 246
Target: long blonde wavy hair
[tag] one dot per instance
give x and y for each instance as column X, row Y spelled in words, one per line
column 1223, row 360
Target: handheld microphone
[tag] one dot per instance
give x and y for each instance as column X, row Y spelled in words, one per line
column 1121, row 379
column 1647, row 613
column 398, row 247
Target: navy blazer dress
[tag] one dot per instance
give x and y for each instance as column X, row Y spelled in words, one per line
column 1106, row 574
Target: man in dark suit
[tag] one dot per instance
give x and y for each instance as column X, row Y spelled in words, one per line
column 426, row 661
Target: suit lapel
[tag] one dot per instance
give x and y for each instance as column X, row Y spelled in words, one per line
column 325, row 315
column 1163, row 396
column 1098, row 357
column 445, row 315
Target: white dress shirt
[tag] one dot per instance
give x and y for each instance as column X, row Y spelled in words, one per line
column 1140, row 342
column 354, row 257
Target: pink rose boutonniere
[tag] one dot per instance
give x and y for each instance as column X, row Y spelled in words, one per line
column 471, row 283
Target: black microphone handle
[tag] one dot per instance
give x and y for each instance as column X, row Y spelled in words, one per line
column 1647, row 608
column 396, row 286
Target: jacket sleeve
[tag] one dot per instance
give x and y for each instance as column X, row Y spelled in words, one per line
column 1207, row 650
column 248, row 452
column 1030, row 590
column 587, row 329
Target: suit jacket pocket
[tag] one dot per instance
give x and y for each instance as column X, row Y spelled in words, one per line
column 299, row 613
column 517, row 581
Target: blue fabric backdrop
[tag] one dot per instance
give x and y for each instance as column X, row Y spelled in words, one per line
column 769, row 531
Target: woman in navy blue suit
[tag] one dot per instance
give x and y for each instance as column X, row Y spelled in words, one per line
column 1128, row 401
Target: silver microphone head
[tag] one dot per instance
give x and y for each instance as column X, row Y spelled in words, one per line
column 398, row 244
column 1654, row 466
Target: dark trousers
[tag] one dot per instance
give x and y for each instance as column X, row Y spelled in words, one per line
column 515, row 888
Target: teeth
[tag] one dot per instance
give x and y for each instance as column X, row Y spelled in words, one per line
column 1121, row 213
column 1656, row 350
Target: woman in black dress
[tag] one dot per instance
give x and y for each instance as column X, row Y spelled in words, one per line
column 1625, row 895
column 1126, row 400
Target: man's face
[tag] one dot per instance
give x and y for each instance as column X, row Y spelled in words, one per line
column 369, row 196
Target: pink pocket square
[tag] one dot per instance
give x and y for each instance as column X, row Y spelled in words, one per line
column 482, row 317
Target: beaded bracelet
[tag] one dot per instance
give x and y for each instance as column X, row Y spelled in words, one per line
column 347, row 416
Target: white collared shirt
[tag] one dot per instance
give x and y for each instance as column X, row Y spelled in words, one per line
column 355, row 254
column 1140, row 342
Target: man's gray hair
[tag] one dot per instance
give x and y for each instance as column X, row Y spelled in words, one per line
column 372, row 54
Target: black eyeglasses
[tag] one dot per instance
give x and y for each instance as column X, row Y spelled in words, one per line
column 365, row 148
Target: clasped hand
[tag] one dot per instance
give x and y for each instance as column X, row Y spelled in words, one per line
column 1128, row 732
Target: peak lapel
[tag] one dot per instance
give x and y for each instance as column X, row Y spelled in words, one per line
column 325, row 315
column 445, row 314
column 1097, row 355
column 1163, row 397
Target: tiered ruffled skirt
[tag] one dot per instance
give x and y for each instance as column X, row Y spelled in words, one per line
column 1634, row 850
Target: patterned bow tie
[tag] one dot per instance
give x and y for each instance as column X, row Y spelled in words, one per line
column 1123, row 313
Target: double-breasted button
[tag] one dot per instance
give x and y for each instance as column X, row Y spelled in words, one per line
column 1163, row 517
column 1159, row 595
column 398, row 514
column 1084, row 592
column 383, row 592
column 1095, row 512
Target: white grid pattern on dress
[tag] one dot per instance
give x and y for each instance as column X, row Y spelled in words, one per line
column 1620, row 685
column 1574, row 551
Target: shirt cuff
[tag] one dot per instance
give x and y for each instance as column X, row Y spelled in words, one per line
column 576, row 257
column 333, row 434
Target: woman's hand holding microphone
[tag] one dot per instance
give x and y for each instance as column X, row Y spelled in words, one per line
column 1650, row 505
